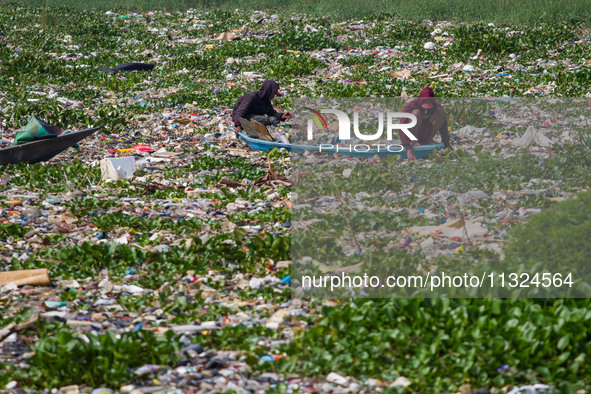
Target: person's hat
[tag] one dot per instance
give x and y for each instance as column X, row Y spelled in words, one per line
column 427, row 97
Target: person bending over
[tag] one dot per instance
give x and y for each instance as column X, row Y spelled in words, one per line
column 431, row 119
column 257, row 106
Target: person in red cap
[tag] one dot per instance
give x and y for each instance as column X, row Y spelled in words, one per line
column 257, row 106
column 431, row 119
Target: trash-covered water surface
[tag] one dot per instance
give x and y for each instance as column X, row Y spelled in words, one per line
column 368, row 223
column 155, row 255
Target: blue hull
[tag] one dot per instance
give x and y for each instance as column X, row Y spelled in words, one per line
column 421, row 152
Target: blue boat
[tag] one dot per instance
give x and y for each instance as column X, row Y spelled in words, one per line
column 421, row 152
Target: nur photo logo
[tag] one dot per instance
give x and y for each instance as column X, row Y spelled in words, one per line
column 348, row 129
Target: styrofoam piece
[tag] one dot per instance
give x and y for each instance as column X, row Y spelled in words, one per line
column 118, row 168
column 533, row 137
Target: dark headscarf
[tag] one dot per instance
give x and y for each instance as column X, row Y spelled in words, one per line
column 268, row 89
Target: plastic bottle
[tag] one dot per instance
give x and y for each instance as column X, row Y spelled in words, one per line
column 283, row 139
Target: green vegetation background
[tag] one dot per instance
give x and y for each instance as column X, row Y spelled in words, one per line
column 496, row 11
column 435, row 343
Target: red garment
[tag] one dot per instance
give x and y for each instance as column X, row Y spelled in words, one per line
column 426, row 128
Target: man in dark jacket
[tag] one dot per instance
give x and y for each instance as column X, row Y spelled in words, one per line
column 431, row 119
column 257, row 106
